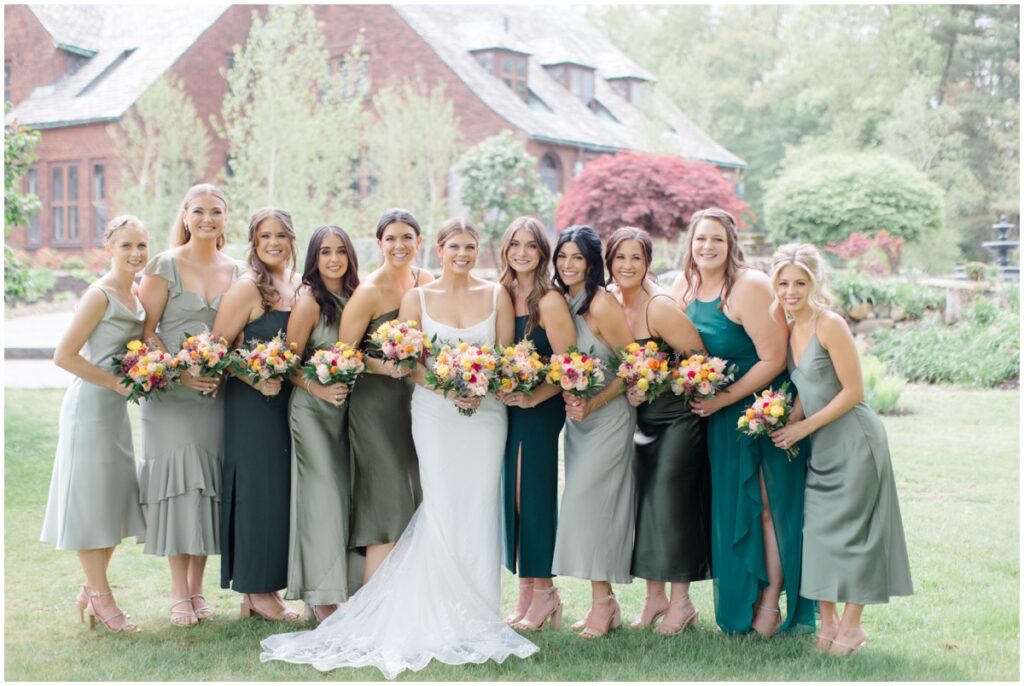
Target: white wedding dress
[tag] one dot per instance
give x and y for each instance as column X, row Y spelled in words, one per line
column 437, row 594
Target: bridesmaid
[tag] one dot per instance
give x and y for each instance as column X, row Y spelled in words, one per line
column 257, row 448
column 756, row 493
column 182, row 430
column 673, row 517
column 595, row 538
column 854, row 550
column 530, row 478
column 94, row 495
column 386, row 486
column 321, row 479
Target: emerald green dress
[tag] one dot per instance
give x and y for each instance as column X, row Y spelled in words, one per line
column 256, row 478
column 854, row 548
column 673, row 487
column 385, row 478
column 530, row 533
column 321, row 496
column 737, row 544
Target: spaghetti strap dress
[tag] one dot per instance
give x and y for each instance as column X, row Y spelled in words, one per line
column 533, row 435
column 737, row 543
column 94, row 494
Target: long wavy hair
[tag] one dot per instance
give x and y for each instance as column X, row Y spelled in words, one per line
column 734, row 258
column 268, row 294
column 588, row 242
column 311, row 272
column 179, row 233
column 541, row 276
column 806, row 257
column 630, row 233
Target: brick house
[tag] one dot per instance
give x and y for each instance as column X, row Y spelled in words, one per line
column 545, row 73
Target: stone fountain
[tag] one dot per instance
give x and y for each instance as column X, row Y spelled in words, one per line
column 1002, row 248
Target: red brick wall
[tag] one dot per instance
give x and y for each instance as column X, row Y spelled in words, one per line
column 29, row 51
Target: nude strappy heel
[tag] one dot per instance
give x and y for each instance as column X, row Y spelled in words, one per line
column 614, row 622
column 90, row 610
column 554, row 616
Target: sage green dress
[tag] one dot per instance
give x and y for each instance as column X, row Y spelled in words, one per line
column 257, row 477
column 94, row 494
column 854, row 549
column 533, row 434
column 595, row 531
column 321, row 494
column 737, row 544
column 385, row 478
column 673, row 489
column 182, row 437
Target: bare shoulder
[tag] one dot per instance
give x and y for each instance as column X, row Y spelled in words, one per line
column 752, row 281
column 553, row 301
column 93, row 299
column 664, row 307
column 604, row 303
column 832, row 327
column 423, row 276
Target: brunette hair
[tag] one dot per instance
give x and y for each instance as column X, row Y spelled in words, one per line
column 119, row 222
column 397, row 214
column 541, row 276
column 457, row 225
column 268, row 294
column 311, row 271
column 630, row 233
column 586, row 239
column 179, row 233
column 806, row 257
column 734, row 258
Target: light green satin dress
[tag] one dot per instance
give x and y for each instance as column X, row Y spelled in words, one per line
column 94, row 495
column 854, row 548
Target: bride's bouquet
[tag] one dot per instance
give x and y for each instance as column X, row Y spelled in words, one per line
column 578, row 373
column 644, row 369
column 465, row 370
column 146, row 371
column 263, row 360
column 520, row 368
column 400, row 342
column 341, row 363
column 702, row 376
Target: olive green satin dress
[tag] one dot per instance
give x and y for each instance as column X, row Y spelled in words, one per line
column 854, row 549
column 385, row 478
column 673, row 488
column 321, row 495
column 737, row 543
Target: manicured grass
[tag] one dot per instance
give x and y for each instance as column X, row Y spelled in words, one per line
column 956, row 463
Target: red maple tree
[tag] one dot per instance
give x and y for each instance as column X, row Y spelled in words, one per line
column 656, row 193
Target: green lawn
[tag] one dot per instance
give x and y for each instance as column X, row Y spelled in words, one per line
column 956, row 464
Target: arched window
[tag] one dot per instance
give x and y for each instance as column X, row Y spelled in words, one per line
column 551, row 172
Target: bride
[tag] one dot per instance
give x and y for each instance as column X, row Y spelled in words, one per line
column 437, row 594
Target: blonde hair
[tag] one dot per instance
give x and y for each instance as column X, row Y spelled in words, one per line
column 268, row 294
column 180, row 234
column 806, row 257
column 457, row 225
column 119, row 222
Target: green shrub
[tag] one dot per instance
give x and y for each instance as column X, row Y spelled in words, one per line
column 40, row 281
column 975, row 270
column 851, row 288
column 882, row 390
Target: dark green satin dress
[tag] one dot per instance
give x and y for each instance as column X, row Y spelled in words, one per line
column 256, row 478
column 737, row 543
column 530, row 533
column 385, row 478
column 673, row 488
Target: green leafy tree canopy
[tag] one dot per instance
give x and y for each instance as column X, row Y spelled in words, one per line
column 19, row 152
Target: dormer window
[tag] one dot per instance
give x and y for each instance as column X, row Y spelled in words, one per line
column 633, row 89
column 508, row 65
column 578, row 78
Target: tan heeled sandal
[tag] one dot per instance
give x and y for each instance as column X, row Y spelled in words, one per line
column 554, row 616
column 175, row 614
column 775, row 627
column 846, row 649
column 82, row 602
column 90, row 610
column 666, row 629
column 639, row 622
column 203, row 612
column 614, row 622
column 520, row 612
column 248, row 610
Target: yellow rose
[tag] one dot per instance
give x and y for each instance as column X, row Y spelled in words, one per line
column 643, row 384
column 135, row 346
column 555, row 376
column 466, row 376
column 712, row 376
column 463, row 346
column 261, row 347
column 411, row 322
column 630, row 359
column 633, row 347
column 777, row 411
column 348, row 353
column 742, row 423
column 442, row 370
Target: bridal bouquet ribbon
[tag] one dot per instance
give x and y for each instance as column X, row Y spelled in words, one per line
column 400, row 342
column 770, row 411
column 578, row 373
column 520, row 368
column 465, row 370
column 644, row 369
column 203, row 355
column 263, row 360
column 146, row 371
column 701, row 376
column 341, row 363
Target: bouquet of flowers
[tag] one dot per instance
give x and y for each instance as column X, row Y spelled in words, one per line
column 264, row 360
column 576, row 372
column 644, row 369
column 520, row 368
column 702, row 376
column 769, row 411
column 400, row 342
column 468, row 370
column 146, row 371
column 203, row 355
column 341, row 363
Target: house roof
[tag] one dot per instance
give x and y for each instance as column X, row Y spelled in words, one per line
column 133, row 45
column 558, row 34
